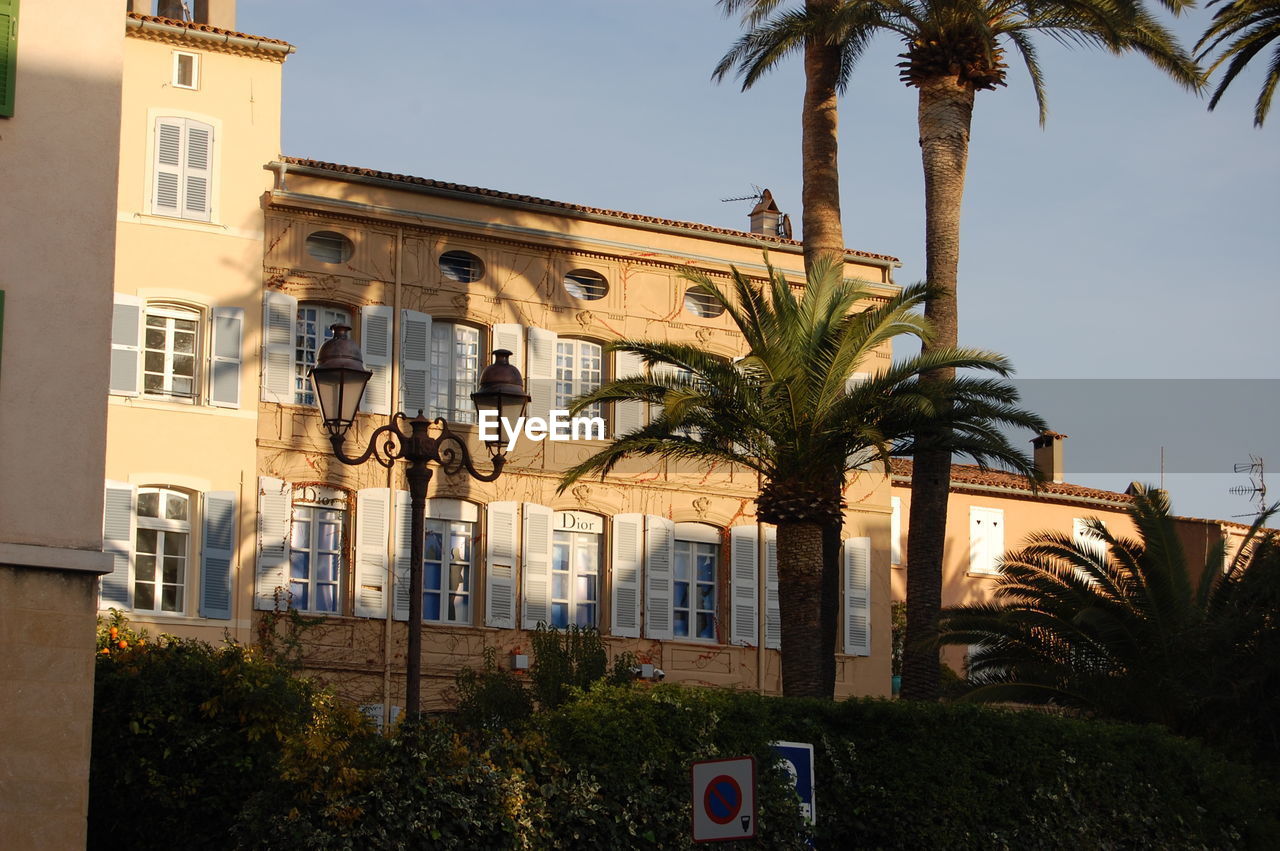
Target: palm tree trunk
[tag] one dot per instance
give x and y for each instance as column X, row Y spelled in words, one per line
column 800, row 580
column 945, row 116
column 820, row 193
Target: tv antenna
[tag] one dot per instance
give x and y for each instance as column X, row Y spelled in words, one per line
column 756, row 196
column 1257, row 486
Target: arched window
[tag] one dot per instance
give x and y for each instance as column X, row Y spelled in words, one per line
column 162, row 549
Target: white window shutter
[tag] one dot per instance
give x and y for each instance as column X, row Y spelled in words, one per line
column 224, row 357
column 857, row 596
column 373, row 522
column 415, row 362
column 772, row 614
column 627, row 416
column 118, row 517
column 510, row 336
column 628, row 533
column 540, row 378
column 536, row 564
column 659, row 576
column 743, row 576
column 895, row 531
column 375, row 340
column 500, row 565
column 403, row 543
column 275, row 515
column 197, row 172
column 217, row 554
column 986, row 539
column 166, row 193
column 126, row 349
column 279, row 330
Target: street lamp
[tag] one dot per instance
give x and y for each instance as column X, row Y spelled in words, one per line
column 339, row 377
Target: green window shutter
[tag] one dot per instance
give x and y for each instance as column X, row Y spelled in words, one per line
column 8, row 54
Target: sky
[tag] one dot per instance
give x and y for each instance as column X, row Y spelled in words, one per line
column 1132, row 237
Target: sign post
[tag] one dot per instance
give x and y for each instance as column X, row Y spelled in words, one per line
column 797, row 760
column 724, row 799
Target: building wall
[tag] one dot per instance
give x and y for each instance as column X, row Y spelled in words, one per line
column 57, row 239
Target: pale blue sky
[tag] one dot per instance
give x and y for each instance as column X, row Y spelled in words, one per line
column 1132, row 237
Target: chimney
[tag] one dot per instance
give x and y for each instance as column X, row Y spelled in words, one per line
column 765, row 215
column 1048, row 455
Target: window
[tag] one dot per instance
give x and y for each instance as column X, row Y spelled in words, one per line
column 314, row 323
column 694, row 600
column 575, row 569
column 446, row 571
column 186, row 70
column 455, row 371
column 329, row 246
column 986, row 539
column 578, row 370
column 157, row 350
column 8, row 55
column 170, row 344
column 461, row 266
column 183, row 169
column 700, row 304
column 161, row 549
column 586, row 285
column 316, row 545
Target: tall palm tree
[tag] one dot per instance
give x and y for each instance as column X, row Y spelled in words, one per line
column 1253, row 24
column 790, row 411
column 1130, row 629
column 954, row 48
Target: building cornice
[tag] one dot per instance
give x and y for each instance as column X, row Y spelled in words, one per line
column 172, row 31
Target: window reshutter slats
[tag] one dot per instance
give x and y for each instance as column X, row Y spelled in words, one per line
column 224, row 359
column 509, row 336
column 217, row 554
column 743, row 573
column 126, row 333
column 772, row 614
column 659, row 572
column 628, row 531
column 8, row 55
column 373, row 519
column 500, row 565
column 279, row 329
column 857, row 596
column 540, row 377
column 403, row 543
column 118, row 517
column 415, row 362
column 166, row 199
column 275, row 513
column 895, row 531
column 536, row 565
column 375, row 341
column 197, row 174
column 627, row 416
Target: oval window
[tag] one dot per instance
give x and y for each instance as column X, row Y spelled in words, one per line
column 330, row 247
column 700, row 304
column 461, row 266
column 586, row 285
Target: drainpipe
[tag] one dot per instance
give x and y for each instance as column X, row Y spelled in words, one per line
column 389, row 623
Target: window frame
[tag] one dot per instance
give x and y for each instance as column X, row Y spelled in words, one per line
column 465, row 414
column 560, row 401
column 178, row 56
column 470, row 534
column 575, row 279
column 476, row 263
column 577, row 541
column 347, row 245
column 163, row 527
column 695, row 543
column 184, row 171
column 174, row 311
column 315, row 498
column 302, row 391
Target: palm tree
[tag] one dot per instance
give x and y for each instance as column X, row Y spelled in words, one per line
column 1125, row 627
column 791, row 412
column 954, row 48
column 1253, row 24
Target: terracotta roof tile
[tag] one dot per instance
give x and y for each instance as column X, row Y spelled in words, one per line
column 206, row 28
column 561, row 205
column 970, row 474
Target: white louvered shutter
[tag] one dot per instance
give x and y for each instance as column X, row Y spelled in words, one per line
column 895, row 531
column 500, row 565
column 197, row 173
column 540, row 377
column 772, row 615
column 510, row 336
column 224, row 357
column 986, row 539
column 402, row 554
column 217, row 554
column 659, row 576
column 536, row 565
column 415, row 362
column 373, row 522
column 375, row 341
column 279, row 329
column 627, row 416
column 126, row 349
column 857, row 596
column 628, row 533
column 118, row 519
column 275, row 514
column 166, row 195
column 743, row 576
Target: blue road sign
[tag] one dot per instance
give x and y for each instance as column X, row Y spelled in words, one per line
column 797, row 759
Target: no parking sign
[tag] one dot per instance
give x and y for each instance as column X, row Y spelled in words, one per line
column 724, row 799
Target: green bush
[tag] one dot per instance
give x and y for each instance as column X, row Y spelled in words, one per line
column 493, row 697
column 574, row 658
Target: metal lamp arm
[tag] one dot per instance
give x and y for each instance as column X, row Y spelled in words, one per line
column 454, row 455
column 385, row 453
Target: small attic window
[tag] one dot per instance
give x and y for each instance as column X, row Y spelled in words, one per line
column 586, row 285
column 461, row 266
column 329, row 247
column 700, row 304
column 186, row 70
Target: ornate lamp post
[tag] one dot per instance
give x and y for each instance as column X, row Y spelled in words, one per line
column 339, row 377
